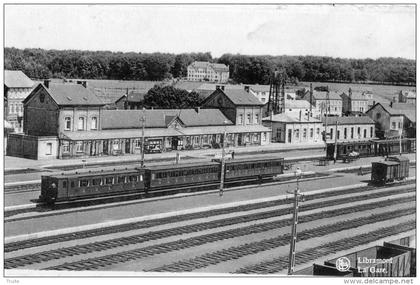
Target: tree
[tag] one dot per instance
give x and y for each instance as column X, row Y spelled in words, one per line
column 169, row 97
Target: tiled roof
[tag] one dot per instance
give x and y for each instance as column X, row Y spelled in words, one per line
column 357, row 96
column 119, row 84
column 158, row 118
column 287, row 118
column 322, row 95
column 297, row 104
column 17, row 79
column 205, row 64
column 135, row 97
column 402, row 109
column 260, row 88
column 409, row 94
column 241, row 97
column 69, row 95
column 349, row 120
column 72, row 94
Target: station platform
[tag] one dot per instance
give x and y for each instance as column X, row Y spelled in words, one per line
column 17, row 163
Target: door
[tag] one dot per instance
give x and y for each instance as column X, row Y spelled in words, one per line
column 174, row 143
column 289, row 136
column 127, row 146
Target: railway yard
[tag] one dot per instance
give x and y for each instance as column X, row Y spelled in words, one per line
column 245, row 231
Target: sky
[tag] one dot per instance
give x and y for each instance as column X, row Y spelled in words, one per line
column 349, row 31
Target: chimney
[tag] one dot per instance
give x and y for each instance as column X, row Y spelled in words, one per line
column 246, row 88
column 218, row 87
column 390, row 104
column 197, row 109
column 47, row 83
column 84, row 84
column 223, row 88
column 373, row 103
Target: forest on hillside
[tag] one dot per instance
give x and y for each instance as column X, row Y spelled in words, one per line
column 247, row 69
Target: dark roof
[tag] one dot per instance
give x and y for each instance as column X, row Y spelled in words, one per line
column 349, row 120
column 182, row 165
column 188, row 85
column 69, row 95
column 399, row 109
column 289, row 118
column 241, row 97
column 159, row 118
column 17, row 79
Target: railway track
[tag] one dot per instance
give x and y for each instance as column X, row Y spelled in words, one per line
column 251, row 248
column 255, row 247
column 154, row 235
column 302, row 257
column 360, row 195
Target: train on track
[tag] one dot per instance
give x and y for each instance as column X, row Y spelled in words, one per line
column 371, row 148
column 156, row 180
column 393, row 168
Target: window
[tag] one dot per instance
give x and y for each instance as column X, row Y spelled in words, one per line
column 96, row 181
column 311, row 133
column 317, row 131
column 278, row 133
column 405, row 241
column 394, row 125
column 338, row 134
column 121, row 179
column 364, row 133
column 64, row 184
column 109, row 180
column 66, row 147
column 378, row 116
column 371, row 132
column 248, row 118
column 264, row 136
column 345, row 133
column 241, row 119
column 399, row 125
column 297, row 134
column 79, row 146
column 67, row 123
column 94, row 123
column 263, row 100
column 81, row 125
column 137, row 143
column 358, row 131
column 331, row 133
column 49, row 149
column 304, row 134
column 83, row 183
column 352, row 132
column 133, row 178
column 257, row 117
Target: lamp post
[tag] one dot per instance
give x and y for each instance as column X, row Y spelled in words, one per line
column 222, row 173
column 297, row 196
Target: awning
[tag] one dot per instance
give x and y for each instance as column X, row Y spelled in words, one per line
column 159, row 132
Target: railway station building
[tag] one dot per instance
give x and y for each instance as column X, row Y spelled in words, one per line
column 349, row 128
column 68, row 120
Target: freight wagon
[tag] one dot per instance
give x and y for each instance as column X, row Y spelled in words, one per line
column 394, row 168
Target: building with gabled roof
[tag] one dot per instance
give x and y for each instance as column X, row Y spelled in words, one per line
column 407, row 97
column 325, row 101
column 354, row 102
column 17, row 87
column 393, row 119
column 349, row 128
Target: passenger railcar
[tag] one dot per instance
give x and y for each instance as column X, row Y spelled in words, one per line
column 255, row 168
column 181, row 175
column 372, row 147
column 394, row 168
column 67, row 187
column 154, row 179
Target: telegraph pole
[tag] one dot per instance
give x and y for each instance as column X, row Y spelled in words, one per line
column 297, row 196
column 335, row 143
column 143, row 121
column 222, row 173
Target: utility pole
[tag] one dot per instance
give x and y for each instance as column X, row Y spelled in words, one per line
column 222, row 173
column 335, row 143
column 143, row 121
column 400, row 131
column 297, row 197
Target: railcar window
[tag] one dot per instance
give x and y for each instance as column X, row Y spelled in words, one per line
column 133, row 178
column 121, row 179
column 83, row 183
column 64, row 184
column 109, row 180
column 72, row 184
column 153, row 176
column 141, row 177
column 96, row 181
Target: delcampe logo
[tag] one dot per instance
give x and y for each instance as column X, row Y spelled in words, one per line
column 342, row 264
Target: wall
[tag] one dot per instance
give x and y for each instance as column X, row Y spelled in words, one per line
column 32, row 147
column 341, row 129
column 41, row 118
column 384, row 120
column 280, row 132
column 74, row 113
